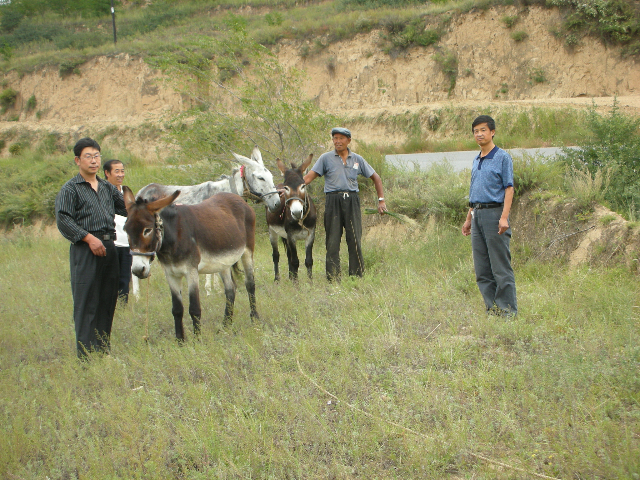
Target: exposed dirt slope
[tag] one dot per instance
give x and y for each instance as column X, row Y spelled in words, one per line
column 120, row 94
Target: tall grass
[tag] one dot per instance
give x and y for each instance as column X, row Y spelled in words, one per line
column 396, row 375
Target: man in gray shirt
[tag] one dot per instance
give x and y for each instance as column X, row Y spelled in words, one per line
column 341, row 168
column 85, row 209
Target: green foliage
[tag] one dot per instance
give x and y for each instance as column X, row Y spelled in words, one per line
column 538, row 75
column 531, row 173
column 31, row 103
column 448, row 63
column 255, row 102
column 373, row 4
column 615, row 21
column 510, row 21
column 10, row 19
column 70, row 66
column 8, row 98
column 612, row 143
column 30, row 183
column 519, row 36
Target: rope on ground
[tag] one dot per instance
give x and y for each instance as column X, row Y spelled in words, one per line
column 409, row 430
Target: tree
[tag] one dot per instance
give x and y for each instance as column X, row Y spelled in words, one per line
column 240, row 97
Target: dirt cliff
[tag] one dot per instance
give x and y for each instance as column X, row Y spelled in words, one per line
column 119, row 95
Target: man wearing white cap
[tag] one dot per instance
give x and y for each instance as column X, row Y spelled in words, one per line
column 341, row 168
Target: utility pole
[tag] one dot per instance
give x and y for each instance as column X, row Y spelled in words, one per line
column 113, row 18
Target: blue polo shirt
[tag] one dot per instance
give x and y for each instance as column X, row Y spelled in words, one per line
column 338, row 176
column 490, row 176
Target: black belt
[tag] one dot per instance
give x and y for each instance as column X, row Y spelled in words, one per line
column 485, row 205
column 105, row 236
column 342, row 192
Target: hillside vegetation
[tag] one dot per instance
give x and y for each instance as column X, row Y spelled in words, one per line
column 64, row 32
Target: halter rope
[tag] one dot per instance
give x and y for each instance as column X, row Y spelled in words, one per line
column 248, row 192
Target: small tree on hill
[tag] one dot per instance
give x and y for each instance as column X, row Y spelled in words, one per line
column 614, row 146
column 241, row 96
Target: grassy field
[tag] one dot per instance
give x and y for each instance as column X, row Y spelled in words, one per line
column 396, row 375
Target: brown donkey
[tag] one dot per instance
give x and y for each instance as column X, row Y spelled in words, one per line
column 210, row 237
column 295, row 221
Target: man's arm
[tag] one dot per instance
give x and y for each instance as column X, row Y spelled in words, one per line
column 503, row 225
column 310, row 177
column 70, row 229
column 377, row 182
column 466, row 227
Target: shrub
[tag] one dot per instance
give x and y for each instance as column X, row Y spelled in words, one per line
column 10, row 20
column 519, row 36
column 8, row 98
column 31, row 103
column 538, row 75
column 15, row 149
column 510, row 21
column 448, row 63
column 613, row 142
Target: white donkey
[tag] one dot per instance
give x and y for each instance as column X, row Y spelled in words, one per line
column 251, row 180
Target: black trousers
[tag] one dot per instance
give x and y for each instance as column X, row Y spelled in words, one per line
column 342, row 211
column 94, row 287
column 124, row 260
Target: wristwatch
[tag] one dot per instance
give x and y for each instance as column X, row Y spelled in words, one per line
column 381, row 199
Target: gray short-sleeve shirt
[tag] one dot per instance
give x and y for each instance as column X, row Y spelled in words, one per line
column 338, row 176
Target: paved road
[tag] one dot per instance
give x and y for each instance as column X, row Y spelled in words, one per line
column 459, row 160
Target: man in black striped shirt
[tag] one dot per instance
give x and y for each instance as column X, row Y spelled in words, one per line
column 85, row 209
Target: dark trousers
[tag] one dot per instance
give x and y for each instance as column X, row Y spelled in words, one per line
column 342, row 211
column 94, row 287
column 492, row 261
column 124, row 260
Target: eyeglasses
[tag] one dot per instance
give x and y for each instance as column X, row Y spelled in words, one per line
column 88, row 156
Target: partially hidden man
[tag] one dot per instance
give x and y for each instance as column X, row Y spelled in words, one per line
column 85, row 209
column 490, row 198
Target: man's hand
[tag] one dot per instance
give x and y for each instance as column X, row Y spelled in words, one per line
column 503, row 225
column 466, row 228
column 96, row 245
column 382, row 207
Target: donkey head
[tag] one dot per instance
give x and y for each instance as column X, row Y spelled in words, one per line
column 260, row 179
column 144, row 229
column 294, row 188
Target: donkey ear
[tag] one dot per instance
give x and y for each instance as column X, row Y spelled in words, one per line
column 256, row 155
column 281, row 166
column 244, row 160
column 306, row 163
column 158, row 205
column 129, row 199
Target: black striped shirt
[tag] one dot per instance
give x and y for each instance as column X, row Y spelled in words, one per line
column 81, row 210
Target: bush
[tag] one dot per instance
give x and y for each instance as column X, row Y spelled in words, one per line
column 8, row 98
column 448, row 63
column 612, row 143
column 10, row 20
column 519, row 36
column 31, row 103
column 15, row 149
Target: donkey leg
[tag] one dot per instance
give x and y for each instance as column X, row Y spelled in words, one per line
column 230, row 296
column 250, row 283
column 135, row 286
column 273, row 238
column 294, row 262
column 194, row 299
column 308, row 260
column 175, row 285
column 207, row 284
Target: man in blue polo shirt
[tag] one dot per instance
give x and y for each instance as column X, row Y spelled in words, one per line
column 341, row 168
column 490, row 198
